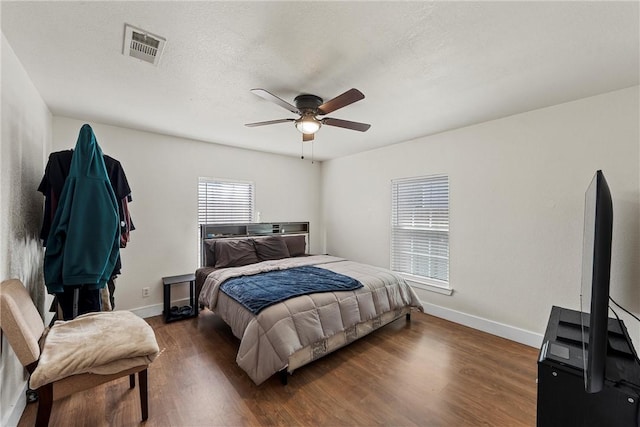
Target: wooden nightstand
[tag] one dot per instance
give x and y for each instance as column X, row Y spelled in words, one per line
column 185, row 311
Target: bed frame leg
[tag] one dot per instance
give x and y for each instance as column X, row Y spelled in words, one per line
column 408, row 317
column 284, row 377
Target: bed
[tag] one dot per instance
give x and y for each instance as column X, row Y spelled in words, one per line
column 284, row 335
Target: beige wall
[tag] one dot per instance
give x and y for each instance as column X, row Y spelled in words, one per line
column 24, row 144
column 163, row 174
column 517, row 202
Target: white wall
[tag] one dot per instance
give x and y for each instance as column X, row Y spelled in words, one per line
column 25, row 140
column 163, row 174
column 516, row 207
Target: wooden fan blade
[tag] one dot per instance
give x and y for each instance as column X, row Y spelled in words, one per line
column 271, row 97
column 307, row 137
column 362, row 127
column 270, row 122
column 349, row 97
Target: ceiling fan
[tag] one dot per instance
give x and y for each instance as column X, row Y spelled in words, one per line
column 309, row 107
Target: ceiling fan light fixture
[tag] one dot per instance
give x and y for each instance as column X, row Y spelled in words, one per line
column 311, row 106
column 308, row 124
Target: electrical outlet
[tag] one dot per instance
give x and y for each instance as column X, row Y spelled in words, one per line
column 145, row 292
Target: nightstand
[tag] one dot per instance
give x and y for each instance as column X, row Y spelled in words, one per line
column 185, row 311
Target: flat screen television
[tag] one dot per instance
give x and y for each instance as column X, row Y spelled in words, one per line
column 596, row 269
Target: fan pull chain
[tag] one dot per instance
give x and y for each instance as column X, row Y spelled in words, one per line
column 302, row 152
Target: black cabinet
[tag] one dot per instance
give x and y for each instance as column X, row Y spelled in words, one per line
column 562, row 399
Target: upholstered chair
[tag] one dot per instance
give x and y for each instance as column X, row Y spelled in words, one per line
column 75, row 355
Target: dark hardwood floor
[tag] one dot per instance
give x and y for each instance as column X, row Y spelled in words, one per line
column 425, row 372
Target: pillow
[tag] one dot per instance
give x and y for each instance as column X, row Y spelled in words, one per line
column 209, row 252
column 235, row 253
column 297, row 245
column 272, row 247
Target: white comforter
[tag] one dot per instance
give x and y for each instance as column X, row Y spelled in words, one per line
column 269, row 338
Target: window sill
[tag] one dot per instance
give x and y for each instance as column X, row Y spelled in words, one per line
column 417, row 283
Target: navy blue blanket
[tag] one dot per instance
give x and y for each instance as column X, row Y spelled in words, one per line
column 261, row 290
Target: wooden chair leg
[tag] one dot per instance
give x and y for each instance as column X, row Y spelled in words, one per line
column 45, row 402
column 132, row 381
column 144, row 401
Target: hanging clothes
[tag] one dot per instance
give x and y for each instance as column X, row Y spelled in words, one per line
column 84, row 238
column 53, row 181
column 56, row 173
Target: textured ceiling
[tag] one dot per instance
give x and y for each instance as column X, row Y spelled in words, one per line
column 424, row 67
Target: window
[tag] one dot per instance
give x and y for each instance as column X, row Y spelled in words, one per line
column 420, row 229
column 221, row 201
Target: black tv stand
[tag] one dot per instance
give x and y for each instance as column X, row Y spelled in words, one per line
column 569, row 331
column 562, row 399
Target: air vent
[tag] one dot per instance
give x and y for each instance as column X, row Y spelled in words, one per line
column 142, row 44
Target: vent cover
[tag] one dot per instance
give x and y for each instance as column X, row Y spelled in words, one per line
column 142, row 44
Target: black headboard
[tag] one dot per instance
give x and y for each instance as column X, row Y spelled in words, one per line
column 235, row 230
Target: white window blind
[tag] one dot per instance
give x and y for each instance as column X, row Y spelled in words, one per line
column 221, row 201
column 420, row 228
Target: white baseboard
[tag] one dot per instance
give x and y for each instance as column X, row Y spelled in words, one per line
column 156, row 309
column 512, row 333
column 509, row 332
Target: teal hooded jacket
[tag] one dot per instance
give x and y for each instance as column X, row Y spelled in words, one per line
column 84, row 242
